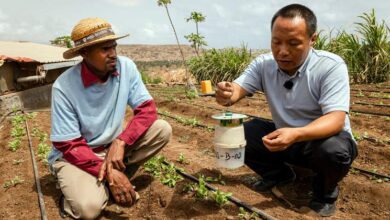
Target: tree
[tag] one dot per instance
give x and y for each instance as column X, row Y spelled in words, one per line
column 197, row 17
column 165, row 3
column 63, row 41
column 196, row 40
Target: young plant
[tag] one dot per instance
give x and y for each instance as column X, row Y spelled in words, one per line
column 201, row 191
column 244, row 215
column 14, row 144
column 220, row 197
column 43, row 147
column 17, row 162
column 182, row 159
column 166, row 173
column 12, row 183
column 216, row 180
column 169, row 176
column 190, row 85
column 196, row 40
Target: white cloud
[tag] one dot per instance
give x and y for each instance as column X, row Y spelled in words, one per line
column 4, row 27
column 149, row 32
column 126, row 3
column 152, row 30
column 221, row 11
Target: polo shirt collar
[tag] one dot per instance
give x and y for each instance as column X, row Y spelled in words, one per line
column 89, row 78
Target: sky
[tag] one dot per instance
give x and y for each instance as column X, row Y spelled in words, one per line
column 229, row 23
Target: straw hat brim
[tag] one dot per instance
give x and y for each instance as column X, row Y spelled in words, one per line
column 74, row 52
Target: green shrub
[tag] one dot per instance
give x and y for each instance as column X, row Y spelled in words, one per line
column 220, row 65
column 148, row 80
column 366, row 53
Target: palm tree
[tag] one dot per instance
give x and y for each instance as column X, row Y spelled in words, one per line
column 190, row 85
column 197, row 17
column 196, row 40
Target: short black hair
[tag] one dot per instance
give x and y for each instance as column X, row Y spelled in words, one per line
column 297, row 10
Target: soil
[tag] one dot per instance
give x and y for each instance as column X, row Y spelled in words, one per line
column 361, row 197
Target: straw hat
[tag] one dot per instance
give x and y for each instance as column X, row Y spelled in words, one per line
column 90, row 31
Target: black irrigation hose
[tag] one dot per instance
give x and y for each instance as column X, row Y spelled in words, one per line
column 232, row 199
column 369, row 113
column 376, row 105
column 370, row 90
column 36, row 175
column 378, row 175
column 177, row 119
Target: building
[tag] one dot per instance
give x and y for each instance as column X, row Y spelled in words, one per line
column 27, row 71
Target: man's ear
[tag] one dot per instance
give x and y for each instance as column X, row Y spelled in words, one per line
column 313, row 39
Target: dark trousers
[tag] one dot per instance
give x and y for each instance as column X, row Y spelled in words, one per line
column 330, row 158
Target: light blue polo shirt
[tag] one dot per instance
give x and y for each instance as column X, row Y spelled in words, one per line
column 96, row 112
column 320, row 86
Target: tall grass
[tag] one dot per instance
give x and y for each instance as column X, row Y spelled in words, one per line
column 220, row 65
column 366, row 53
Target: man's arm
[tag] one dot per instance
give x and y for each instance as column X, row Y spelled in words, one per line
column 78, row 153
column 144, row 116
column 325, row 126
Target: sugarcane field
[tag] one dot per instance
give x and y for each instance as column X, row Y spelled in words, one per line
column 174, row 126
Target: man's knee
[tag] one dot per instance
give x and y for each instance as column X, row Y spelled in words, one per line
column 87, row 208
column 163, row 129
column 334, row 151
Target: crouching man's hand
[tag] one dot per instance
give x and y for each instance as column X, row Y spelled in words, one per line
column 224, row 93
column 280, row 139
column 121, row 188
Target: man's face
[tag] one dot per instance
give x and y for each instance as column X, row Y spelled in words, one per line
column 290, row 43
column 101, row 57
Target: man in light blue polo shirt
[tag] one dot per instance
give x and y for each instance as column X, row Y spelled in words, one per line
column 308, row 95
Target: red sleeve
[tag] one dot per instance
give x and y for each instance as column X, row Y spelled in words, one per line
column 78, row 153
column 144, row 116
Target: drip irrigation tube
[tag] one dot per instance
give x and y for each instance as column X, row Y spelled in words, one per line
column 36, row 175
column 377, row 175
column 232, row 199
column 371, row 104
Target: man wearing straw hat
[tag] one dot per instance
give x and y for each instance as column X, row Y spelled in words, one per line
column 308, row 95
column 89, row 103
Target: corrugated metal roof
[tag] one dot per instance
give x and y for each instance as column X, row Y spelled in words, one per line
column 30, row 52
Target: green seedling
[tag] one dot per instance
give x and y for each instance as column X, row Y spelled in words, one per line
column 169, row 176
column 354, row 171
column 216, row 180
column 43, row 147
column 12, row 183
column 14, row 144
column 182, row 159
column 356, row 136
column 191, row 94
column 166, row 173
column 360, row 94
column 43, row 152
column 153, row 165
column 17, row 131
column 201, row 191
column 220, row 197
column 17, row 162
column 244, row 215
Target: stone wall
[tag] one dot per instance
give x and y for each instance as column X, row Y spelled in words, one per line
column 31, row 99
